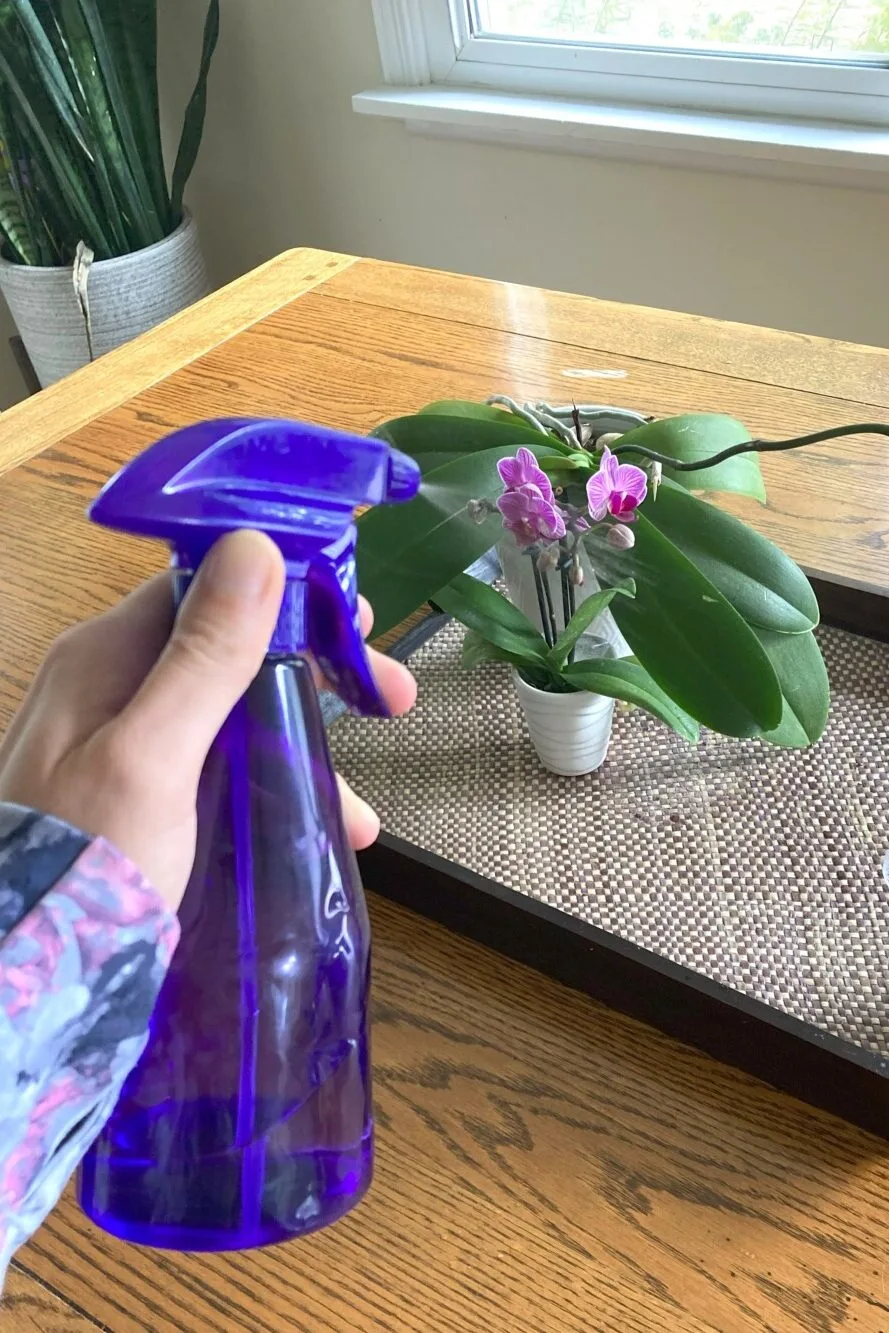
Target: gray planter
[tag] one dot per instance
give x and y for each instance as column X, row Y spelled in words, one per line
column 127, row 296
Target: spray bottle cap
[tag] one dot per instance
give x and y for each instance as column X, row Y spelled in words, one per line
column 300, row 484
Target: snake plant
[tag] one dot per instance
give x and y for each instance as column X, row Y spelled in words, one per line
column 80, row 138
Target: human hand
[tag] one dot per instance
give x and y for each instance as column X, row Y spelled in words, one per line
column 113, row 734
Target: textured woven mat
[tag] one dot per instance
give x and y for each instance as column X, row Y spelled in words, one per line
column 760, row 868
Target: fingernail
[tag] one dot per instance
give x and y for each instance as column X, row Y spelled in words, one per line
column 241, row 565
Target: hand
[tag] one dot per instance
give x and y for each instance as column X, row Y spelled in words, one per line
column 114, row 732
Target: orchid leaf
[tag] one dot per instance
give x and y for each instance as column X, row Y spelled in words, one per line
column 695, row 645
column 406, row 553
column 805, row 689
column 689, row 439
column 583, row 617
column 483, row 609
column 761, row 582
column 478, row 650
column 434, row 440
column 626, row 679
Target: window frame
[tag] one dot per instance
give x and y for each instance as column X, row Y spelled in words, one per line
column 432, row 41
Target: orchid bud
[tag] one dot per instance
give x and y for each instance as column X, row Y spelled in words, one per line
column 656, row 472
column 576, row 574
column 478, row 510
column 610, row 438
column 621, row 537
column 548, row 559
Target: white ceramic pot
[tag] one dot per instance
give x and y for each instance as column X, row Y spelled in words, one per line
column 570, row 732
column 518, row 575
column 127, row 296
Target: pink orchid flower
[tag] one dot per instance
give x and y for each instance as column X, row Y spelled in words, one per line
column 523, row 470
column 530, row 516
column 617, row 489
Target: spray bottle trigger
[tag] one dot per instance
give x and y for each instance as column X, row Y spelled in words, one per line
column 335, row 638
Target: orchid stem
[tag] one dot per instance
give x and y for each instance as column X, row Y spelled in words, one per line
column 541, row 603
column 551, row 610
column 568, row 601
column 753, row 446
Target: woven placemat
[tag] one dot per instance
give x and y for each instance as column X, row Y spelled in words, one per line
column 760, row 868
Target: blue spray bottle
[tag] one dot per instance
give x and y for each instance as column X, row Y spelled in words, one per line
column 248, row 1118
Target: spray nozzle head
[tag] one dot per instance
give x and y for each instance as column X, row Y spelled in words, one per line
column 299, row 483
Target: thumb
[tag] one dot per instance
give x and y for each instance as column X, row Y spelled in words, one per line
column 219, row 640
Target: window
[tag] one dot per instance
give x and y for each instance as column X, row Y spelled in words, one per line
column 783, row 80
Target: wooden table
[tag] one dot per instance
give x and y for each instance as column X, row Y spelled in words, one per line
column 543, row 1164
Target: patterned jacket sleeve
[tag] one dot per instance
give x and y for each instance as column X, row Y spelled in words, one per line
column 85, row 943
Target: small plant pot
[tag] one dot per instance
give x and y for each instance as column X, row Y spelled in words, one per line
column 570, row 732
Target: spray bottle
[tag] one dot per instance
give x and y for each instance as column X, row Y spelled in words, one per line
column 248, row 1118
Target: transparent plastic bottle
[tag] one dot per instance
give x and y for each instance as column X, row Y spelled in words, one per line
column 248, row 1118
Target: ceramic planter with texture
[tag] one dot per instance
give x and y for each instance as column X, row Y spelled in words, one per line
column 127, row 296
column 570, row 732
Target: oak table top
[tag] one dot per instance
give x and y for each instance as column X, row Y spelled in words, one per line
column 544, row 1165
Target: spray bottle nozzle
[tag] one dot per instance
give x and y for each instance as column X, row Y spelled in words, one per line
column 299, row 483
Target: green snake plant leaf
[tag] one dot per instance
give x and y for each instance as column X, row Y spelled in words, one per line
column 626, row 679
column 113, row 142
column 61, row 156
column 805, row 689
column 694, row 644
column 688, row 439
column 21, row 245
column 436, row 438
column 195, row 113
column 38, row 24
column 761, row 582
column 132, row 39
column 483, row 609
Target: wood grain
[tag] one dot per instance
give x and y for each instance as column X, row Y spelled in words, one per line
column 545, row 1166
column 29, row 1306
column 35, row 424
column 595, row 329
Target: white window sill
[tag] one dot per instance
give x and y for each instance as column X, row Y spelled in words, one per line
column 837, row 153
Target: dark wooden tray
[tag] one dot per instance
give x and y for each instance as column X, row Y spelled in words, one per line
column 792, row 1055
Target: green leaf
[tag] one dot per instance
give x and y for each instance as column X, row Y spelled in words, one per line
column 583, row 617
column 407, row 552
column 761, row 582
column 13, row 225
column 478, row 650
column 434, row 440
column 805, row 689
column 132, row 35
column 59, row 152
column 695, row 645
column 690, row 438
column 113, row 141
column 628, row 680
column 570, row 463
column 195, row 114
column 457, row 407
column 483, row 609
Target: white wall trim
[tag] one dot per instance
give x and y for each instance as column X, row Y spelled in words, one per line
column 404, row 46
column 829, row 153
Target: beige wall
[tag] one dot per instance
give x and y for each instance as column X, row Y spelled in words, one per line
column 286, row 162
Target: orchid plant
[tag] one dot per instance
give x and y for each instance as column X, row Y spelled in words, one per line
column 719, row 620
column 549, row 531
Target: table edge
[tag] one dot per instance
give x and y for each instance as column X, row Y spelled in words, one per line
column 37, row 423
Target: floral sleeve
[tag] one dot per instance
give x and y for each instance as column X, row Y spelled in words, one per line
column 85, row 942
